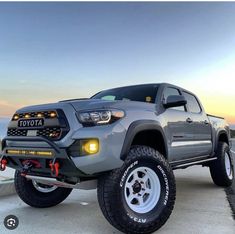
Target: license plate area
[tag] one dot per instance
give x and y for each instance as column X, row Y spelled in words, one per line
column 31, row 133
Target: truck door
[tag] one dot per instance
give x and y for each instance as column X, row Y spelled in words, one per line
column 199, row 125
column 179, row 133
column 187, row 128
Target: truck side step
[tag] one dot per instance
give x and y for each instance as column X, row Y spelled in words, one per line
column 188, row 164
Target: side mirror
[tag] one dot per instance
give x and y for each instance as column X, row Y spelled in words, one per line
column 174, row 101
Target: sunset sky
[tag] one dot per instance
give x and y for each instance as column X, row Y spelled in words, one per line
column 54, row 51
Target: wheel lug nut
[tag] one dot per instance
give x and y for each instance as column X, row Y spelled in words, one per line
column 142, row 182
column 139, row 194
column 143, row 189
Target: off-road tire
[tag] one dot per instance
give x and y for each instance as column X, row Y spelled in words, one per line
column 31, row 196
column 218, row 169
column 111, row 189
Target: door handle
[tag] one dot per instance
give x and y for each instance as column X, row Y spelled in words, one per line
column 189, row 120
column 206, row 122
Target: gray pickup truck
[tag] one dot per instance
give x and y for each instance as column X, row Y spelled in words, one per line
column 126, row 142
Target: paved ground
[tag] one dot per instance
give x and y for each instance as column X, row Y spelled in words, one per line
column 200, row 208
column 7, row 174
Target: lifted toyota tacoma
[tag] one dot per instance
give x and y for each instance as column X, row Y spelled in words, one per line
column 126, row 142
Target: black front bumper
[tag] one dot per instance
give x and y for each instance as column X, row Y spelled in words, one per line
column 24, row 153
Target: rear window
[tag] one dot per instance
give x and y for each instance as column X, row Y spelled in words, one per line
column 192, row 103
column 131, row 93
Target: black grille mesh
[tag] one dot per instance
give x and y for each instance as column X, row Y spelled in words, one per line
column 16, row 132
column 49, row 132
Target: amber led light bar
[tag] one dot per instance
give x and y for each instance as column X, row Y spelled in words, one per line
column 46, row 114
column 29, row 152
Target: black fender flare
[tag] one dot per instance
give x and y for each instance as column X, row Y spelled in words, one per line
column 135, row 128
column 219, row 133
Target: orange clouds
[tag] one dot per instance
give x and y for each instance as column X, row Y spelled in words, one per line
column 220, row 105
column 7, row 109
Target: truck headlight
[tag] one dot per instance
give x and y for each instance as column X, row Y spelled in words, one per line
column 99, row 117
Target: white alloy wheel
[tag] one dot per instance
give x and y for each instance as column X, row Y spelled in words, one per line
column 228, row 166
column 142, row 190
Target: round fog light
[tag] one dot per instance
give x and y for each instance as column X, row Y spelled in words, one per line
column 90, row 146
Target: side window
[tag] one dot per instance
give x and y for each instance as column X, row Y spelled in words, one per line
column 192, row 103
column 172, row 91
column 108, row 98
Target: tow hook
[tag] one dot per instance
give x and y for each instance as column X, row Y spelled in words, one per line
column 28, row 164
column 3, row 163
column 54, row 168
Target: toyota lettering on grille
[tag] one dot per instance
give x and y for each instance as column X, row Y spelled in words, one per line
column 30, row 123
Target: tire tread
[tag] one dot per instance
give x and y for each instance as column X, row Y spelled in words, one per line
column 25, row 190
column 105, row 192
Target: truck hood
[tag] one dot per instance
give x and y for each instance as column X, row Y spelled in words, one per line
column 90, row 104
column 78, row 105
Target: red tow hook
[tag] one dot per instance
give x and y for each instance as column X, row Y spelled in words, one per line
column 3, row 163
column 54, row 168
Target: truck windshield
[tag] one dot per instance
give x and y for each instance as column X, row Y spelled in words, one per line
column 140, row 93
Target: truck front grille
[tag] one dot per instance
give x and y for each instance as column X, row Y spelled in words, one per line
column 55, row 126
column 49, row 132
